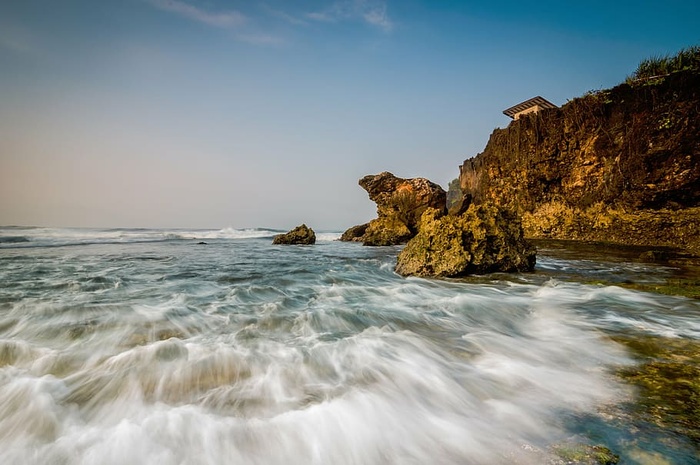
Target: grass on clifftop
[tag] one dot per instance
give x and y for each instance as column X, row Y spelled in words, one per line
column 685, row 59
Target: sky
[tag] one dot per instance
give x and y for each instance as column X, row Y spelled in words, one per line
column 266, row 113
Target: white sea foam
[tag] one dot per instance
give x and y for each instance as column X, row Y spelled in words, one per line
column 46, row 237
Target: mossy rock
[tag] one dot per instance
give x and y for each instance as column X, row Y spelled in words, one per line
column 355, row 233
column 300, row 235
column 484, row 239
column 669, row 382
column 386, row 230
column 583, row 454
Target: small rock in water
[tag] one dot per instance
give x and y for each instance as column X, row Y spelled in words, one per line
column 299, row 235
column 654, row 256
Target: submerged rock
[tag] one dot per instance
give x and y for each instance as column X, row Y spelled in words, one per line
column 583, row 454
column 300, row 235
column 668, row 379
column 484, row 239
column 400, row 204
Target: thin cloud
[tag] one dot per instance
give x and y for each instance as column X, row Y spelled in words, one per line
column 262, row 39
column 372, row 12
column 284, row 16
column 377, row 16
column 323, row 17
column 224, row 19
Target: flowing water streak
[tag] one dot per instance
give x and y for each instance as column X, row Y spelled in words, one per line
column 130, row 347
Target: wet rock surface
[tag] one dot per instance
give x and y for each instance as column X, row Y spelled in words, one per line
column 300, row 235
column 484, row 239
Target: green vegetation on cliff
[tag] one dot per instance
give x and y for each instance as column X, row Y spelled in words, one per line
column 454, row 193
column 686, row 59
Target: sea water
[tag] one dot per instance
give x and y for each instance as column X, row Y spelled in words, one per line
column 216, row 347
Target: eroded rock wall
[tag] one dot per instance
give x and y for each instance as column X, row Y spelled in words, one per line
column 618, row 165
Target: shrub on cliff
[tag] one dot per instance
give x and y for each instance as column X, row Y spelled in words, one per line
column 484, row 239
column 685, row 59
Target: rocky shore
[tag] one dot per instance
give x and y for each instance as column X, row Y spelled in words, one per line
column 470, row 239
column 617, row 165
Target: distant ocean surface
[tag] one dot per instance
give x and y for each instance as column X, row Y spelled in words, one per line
column 143, row 346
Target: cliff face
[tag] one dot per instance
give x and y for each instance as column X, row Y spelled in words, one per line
column 620, row 165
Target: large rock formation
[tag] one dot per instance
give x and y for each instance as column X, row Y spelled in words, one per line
column 620, row 165
column 483, row 239
column 300, row 235
column 400, row 204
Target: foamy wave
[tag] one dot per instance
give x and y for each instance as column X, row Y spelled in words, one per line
column 48, row 237
column 328, row 236
column 231, row 233
column 257, row 233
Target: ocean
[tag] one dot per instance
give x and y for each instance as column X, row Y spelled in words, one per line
column 143, row 346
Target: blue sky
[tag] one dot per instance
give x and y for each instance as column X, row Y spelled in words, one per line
column 213, row 113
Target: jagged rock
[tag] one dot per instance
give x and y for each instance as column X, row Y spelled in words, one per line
column 403, row 199
column 483, row 239
column 299, row 235
column 355, row 233
column 400, row 204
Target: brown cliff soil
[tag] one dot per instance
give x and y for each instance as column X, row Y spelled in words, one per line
column 619, row 165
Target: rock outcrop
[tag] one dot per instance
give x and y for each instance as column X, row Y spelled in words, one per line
column 355, row 233
column 619, row 165
column 483, row 239
column 300, row 235
column 400, row 204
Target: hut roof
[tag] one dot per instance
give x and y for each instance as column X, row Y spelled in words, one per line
column 542, row 102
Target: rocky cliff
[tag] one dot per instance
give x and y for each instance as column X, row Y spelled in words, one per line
column 618, row 165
